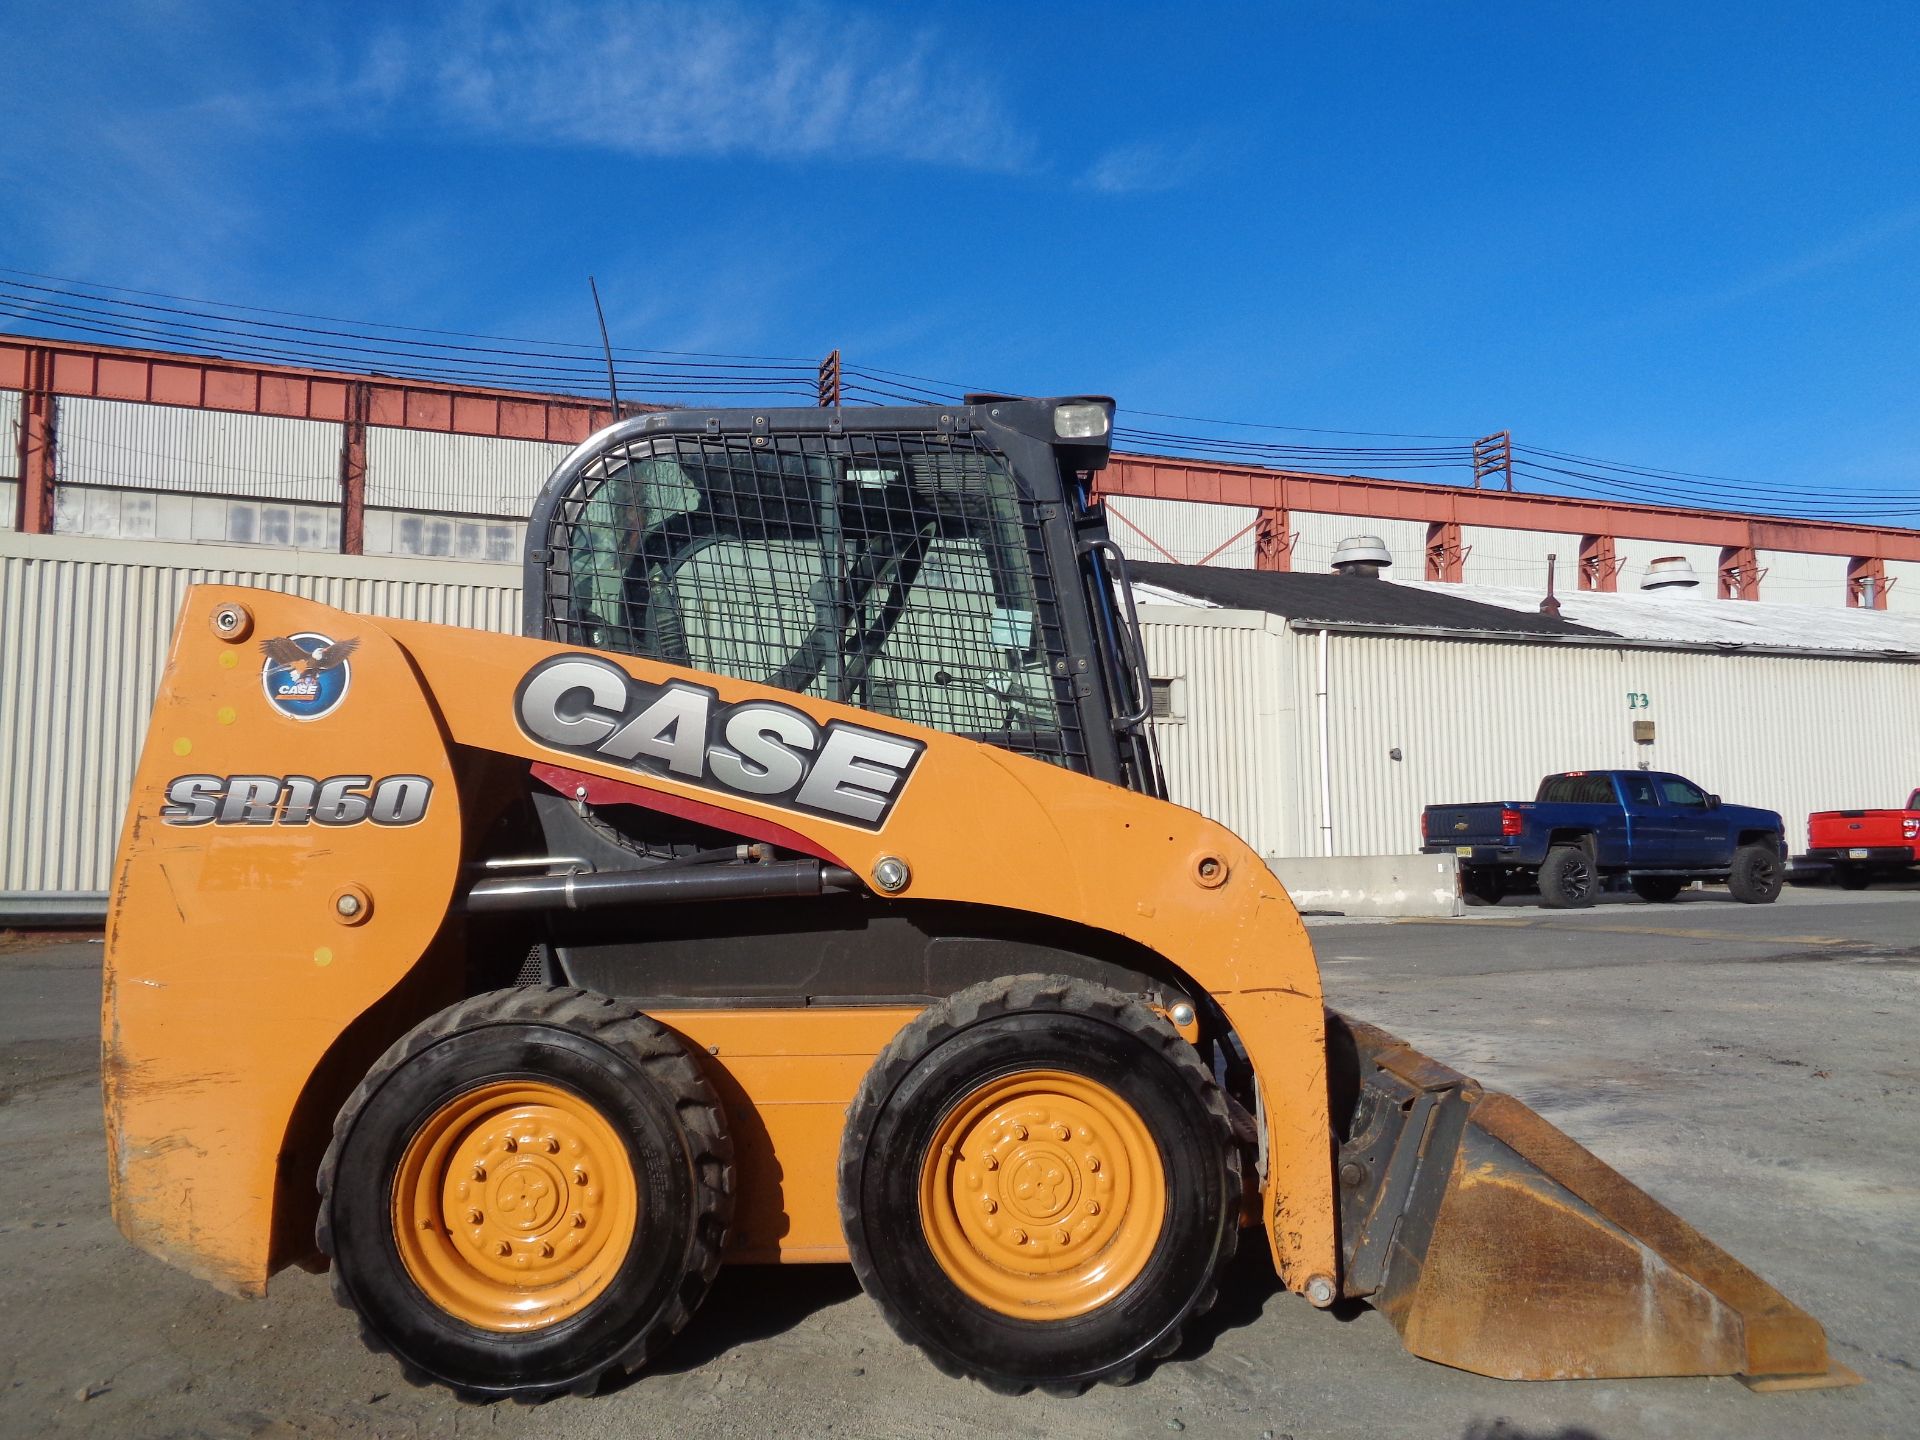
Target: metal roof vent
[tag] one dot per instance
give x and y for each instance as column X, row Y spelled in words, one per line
column 1669, row 572
column 1362, row 555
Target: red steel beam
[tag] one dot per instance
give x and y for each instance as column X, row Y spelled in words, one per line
column 149, row 377
column 1165, row 478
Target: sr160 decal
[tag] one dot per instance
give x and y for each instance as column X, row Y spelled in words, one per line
column 296, row 800
column 760, row 749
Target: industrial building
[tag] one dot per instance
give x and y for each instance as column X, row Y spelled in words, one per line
column 1784, row 676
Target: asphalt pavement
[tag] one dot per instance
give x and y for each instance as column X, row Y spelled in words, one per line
column 1752, row 1067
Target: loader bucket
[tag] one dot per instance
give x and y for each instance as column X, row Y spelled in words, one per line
column 1496, row 1244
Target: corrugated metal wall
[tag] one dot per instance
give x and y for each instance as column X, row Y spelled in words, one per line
column 1793, row 578
column 9, row 455
column 1227, row 743
column 84, row 628
column 463, row 474
column 1182, row 531
column 1484, row 720
column 1904, row 596
column 209, row 452
column 1516, row 557
column 1320, row 533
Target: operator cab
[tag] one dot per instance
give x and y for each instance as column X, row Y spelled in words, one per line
column 944, row 566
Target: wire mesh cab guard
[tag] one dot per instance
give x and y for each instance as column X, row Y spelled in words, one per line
column 927, row 564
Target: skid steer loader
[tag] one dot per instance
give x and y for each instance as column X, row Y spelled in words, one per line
column 800, row 887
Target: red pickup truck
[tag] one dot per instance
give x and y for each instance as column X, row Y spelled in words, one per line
column 1860, row 844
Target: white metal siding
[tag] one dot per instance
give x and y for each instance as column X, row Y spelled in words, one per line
column 1905, row 596
column 1183, row 531
column 1480, row 720
column 1794, row 578
column 1518, row 557
column 84, row 629
column 9, row 435
column 1319, row 532
column 210, row 452
column 459, row 474
column 1225, row 748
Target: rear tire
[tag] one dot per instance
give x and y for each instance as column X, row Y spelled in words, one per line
column 1658, row 889
column 1852, row 877
column 1568, row 880
column 1757, row 875
column 965, row 1212
column 1482, row 884
column 527, row 1193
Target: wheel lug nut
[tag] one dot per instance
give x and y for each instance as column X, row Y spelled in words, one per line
column 1093, row 1163
column 579, row 1220
column 1065, row 1237
column 1093, row 1207
column 1019, row 1131
column 479, row 1172
column 510, row 1145
column 502, row 1248
column 474, row 1217
column 990, row 1204
column 992, row 1162
column 553, row 1144
column 579, row 1175
column 1065, row 1132
column 546, row 1250
column 1019, row 1237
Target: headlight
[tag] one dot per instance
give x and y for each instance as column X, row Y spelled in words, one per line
column 1080, row 422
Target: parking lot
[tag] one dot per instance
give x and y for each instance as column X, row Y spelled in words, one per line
column 1753, row 1067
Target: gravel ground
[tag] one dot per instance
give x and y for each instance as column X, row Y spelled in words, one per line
column 1752, row 1067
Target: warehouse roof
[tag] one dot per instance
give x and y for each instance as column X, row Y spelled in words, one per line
column 1682, row 617
column 1347, row 600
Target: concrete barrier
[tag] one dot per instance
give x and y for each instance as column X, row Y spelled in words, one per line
column 1394, row 885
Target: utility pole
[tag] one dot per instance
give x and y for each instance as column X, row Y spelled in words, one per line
column 830, row 381
column 1493, row 455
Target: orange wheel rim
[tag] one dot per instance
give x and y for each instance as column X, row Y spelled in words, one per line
column 1042, row 1195
column 515, row 1205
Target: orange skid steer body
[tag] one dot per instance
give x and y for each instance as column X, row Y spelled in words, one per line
column 1111, row 1054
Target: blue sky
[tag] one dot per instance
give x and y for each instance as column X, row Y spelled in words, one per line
column 1680, row 234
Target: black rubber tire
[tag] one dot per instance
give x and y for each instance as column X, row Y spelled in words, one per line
column 999, row 1028
column 1658, row 889
column 1852, row 877
column 1482, row 884
column 1757, row 875
column 1568, row 880
column 640, row 1078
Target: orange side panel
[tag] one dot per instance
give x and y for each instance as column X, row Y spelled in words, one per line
column 785, row 1078
column 229, row 972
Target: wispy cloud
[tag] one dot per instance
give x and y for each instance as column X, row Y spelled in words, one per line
column 675, row 80
column 1148, row 166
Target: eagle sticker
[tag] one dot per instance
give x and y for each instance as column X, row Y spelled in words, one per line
column 306, row 675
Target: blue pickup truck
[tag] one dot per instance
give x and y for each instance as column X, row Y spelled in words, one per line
column 1660, row 831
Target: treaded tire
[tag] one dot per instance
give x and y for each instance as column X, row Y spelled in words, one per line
column 1757, row 875
column 1006, row 1027
column 1657, row 889
column 1567, row 879
column 639, row 1077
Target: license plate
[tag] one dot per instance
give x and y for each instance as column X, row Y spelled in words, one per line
column 1463, row 850
column 1856, row 854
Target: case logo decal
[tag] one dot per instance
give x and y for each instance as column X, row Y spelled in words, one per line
column 757, row 749
column 306, row 675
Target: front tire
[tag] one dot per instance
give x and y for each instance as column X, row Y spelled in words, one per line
column 1568, row 880
column 1039, row 1185
column 1757, row 875
column 528, row 1192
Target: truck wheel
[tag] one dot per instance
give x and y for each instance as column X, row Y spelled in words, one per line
column 1483, row 884
column 1567, row 879
column 1039, row 1184
column 1852, row 877
column 1658, row 888
column 529, row 1191
column 1757, row 874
